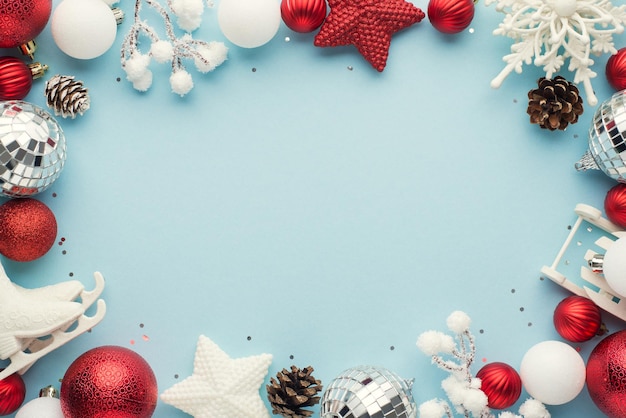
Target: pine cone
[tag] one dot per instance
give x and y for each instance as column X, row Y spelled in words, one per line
column 293, row 391
column 66, row 96
column 555, row 104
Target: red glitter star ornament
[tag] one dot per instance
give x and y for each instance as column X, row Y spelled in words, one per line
column 368, row 25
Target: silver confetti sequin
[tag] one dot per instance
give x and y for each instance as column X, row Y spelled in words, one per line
column 368, row 392
column 607, row 139
column 32, row 149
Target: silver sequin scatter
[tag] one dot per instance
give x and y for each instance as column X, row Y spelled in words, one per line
column 368, row 392
column 607, row 139
column 32, row 149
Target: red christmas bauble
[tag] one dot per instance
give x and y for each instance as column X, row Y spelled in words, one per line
column 28, row 229
column 615, row 205
column 450, row 16
column 501, row 383
column 616, row 70
column 577, row 319
column 16, row 79
column 109, row 382
column 12, row 393
column 606, row 375
column 22, row 21
column 303, row 15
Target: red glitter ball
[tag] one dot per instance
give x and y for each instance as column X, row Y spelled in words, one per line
column 28, row 229
column 109, row 382
column 12, row 393
column 303, row 15
column 615, row 205
column 577, row 319
column 606, row 375
column 16, row 79
column 501, row 383
column 450, row 16
column 616, row 70
column 22, row 21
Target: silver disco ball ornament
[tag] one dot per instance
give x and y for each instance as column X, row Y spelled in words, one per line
column 607, row 139
column 32, row 149
column 368, row 392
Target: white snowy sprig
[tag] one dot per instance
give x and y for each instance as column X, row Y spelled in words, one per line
column 206, row 56
column 554, row 31
column 461, row 387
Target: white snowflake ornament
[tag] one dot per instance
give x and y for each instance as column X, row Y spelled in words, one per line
column 553, row 31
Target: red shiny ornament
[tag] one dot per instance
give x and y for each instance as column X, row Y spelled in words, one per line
column 616, row 70
column 109, row 382
column 368, row 25
column 606, row 375
column 577, row 319
column 21, row 21
column 28, row 229
column 303, row 15
column 501, row 383
column 450, row 16
column 16, row 79
column 12, row 393
column 615, row 205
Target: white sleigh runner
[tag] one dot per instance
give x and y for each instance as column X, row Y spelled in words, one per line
column 602, row 294
column 34, row 322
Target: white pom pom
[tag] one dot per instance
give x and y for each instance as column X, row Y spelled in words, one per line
column 454, row 389
column 458, row 322
column 181, row 82
column 144, row 82
column 162, row 51
column 136, row 66
column 189, row 13
column 433, row 342
column 214, row 53
column 431, row 409
column 532, row 408
column 507, row 414
column 475, row 401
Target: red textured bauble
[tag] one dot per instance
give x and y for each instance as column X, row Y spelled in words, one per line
column 22, row 21
column 606, row 375
column 577, row 319
column 501, row 383
column 109, row 382
column 28, row 229
column 615, row 205
column 303, row 15
column 12, row 393
column 450, row 16
column 616, row 70
column 16, row 79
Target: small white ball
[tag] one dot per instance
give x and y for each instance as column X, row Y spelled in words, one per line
column 553, row 372
column 614, row 266
column 249, row 23
column 83, row 29
column 45, row 407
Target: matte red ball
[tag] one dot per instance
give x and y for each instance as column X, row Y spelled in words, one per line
column 606, row 375
column 577, row 319
column 22, row 21
column 16, row 79
column 615, row 205
column 501, row 383
column 109, row 382
column 450, row 16
column 28, row 229
column 12, row 393
column 303, row 15
column 616, row 70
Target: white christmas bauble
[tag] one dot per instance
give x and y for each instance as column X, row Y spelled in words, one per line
column 614, row 266
column 45, row 407
column 249, row 23
column 83, row 29
column 553, row 372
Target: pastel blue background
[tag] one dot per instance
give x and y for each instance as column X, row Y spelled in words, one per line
column 328, row 213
